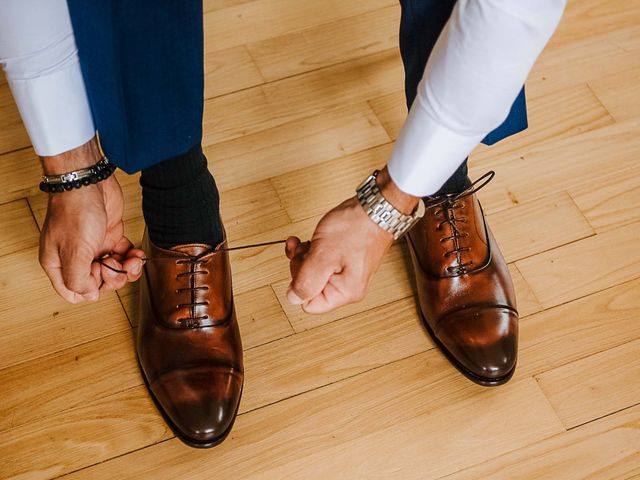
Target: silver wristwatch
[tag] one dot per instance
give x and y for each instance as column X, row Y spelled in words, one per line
column 382, row 212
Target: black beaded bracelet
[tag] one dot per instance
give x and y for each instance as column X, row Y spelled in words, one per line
column 78, row 178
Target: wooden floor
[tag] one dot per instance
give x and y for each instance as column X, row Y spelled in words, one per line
column 303, row 100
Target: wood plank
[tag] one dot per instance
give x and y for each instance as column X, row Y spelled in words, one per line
column 619, row 93
column 249, row 22
column 607, row 449
column 527, row 302
column 211, row 5
column 539, row 225
column 559, row 114
column 37, row 322
column 54, row 383
column 13, row 135
column 595, row 386
column 333, row 352
column 315, row 190
column 566, row 64
column 251, row 210
column 391, row 110
column 20, row 175
column 583, row 267
column 373, row 455
column 19, row 230
column 229, row 70
column 584, row 19
column 611, row 202
column 560, row 164
column 294, row 145
column 352, row 422
column 261, row 317
column 326, row 44
column 81, row 436
column 392, row 281
column 580, row 328
column 303, row 96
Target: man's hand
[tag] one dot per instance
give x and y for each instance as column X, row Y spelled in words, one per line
column 81, row 226
column 346, row 249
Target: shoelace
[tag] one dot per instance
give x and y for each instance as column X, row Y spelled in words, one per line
column 194, row 261
column 186, row 256
column 449, row 203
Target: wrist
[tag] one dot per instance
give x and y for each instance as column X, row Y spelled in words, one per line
column 401, row 201
column 80, row 157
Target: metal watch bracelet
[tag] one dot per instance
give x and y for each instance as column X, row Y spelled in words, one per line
column 381, row 212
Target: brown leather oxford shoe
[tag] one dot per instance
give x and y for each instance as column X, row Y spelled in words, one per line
column 467, row 300
column 188, row 341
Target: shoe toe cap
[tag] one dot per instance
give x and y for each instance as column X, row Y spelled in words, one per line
column 200, row 402
column 484, row 341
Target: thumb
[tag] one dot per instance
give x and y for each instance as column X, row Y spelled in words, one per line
column 310, row 274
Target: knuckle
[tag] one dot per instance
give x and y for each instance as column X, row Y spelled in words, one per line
column 300, row 287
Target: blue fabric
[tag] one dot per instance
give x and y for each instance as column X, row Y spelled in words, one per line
column 420, row 25
column 142, row 62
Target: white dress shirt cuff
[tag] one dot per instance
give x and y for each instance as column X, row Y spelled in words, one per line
column 416, row 165
column 55, row 110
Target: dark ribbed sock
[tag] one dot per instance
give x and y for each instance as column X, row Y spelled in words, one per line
column 180, row 201
column 456, row 182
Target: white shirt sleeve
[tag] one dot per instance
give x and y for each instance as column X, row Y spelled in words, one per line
column 40, row 59
column 472, row 77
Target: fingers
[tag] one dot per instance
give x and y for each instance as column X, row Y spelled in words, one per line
column 133, row 265
column 295, row 247
column 55, row 276
column 111, row 278
column 330, row 298
column 133, row 259
column 310, row 271
column 126, row 259
column 342, row 289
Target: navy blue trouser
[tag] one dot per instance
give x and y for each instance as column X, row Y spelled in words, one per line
column 142, row 63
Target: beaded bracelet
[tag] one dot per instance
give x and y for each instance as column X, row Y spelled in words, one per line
column 78, row 178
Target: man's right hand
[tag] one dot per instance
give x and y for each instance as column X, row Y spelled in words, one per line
column 81, row 226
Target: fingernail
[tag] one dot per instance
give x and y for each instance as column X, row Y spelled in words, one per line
column 293, row 298
column 136, row 269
